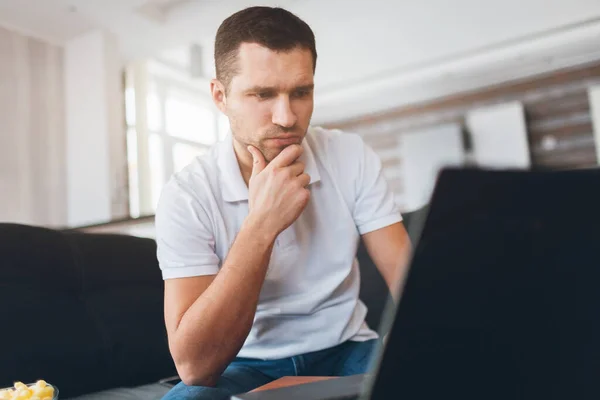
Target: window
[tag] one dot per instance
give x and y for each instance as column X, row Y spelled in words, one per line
column 156, row 160
column 134, row 192
column 187, row 118
column 223, row 126
column 171, row 120
column 183, row 154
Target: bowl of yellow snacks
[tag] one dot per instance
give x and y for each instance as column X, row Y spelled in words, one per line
column 39, row 390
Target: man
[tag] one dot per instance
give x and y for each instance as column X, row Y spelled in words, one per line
column 257, row 239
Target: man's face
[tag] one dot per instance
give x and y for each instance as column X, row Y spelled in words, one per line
column 270, row 100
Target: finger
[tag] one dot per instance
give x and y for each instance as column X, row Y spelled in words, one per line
column 258, row 160
column 296, row 168
column 287, row 156
column 304, row 180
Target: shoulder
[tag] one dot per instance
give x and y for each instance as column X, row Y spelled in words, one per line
column 334, row 144
column 184, row 227
column 342, row 155
column 191, row 190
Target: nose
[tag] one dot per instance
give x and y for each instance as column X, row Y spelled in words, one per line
column 283, row 115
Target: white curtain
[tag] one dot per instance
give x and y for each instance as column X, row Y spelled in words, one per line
column 32, row 134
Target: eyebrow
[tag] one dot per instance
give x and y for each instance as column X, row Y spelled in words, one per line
column 275, row 89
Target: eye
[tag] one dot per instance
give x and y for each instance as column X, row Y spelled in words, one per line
column 301, row 93
column 263, row 95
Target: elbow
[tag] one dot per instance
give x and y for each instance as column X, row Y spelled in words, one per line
column 192, row 370
column 194, row 374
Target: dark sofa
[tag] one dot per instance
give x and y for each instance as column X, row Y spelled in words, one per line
column 85, row 311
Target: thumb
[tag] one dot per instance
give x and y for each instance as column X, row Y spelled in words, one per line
column 258, row 160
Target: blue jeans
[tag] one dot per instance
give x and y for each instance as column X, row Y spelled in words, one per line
column 245, row 374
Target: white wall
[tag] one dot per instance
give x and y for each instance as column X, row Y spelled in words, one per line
column 416, row 51
column 32, row 138
column 62, row 136
column 96, row 167
column 407, row 35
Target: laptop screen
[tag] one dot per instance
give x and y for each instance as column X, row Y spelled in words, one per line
column 502, row 299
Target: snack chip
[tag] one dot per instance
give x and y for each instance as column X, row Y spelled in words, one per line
column 20, row 391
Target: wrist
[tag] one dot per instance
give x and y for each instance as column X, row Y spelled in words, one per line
column 258, row 229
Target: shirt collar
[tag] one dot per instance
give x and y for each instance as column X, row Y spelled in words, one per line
column 233, row 187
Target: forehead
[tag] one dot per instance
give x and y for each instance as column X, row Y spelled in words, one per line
column 258, row 65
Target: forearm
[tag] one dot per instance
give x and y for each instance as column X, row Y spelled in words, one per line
column 394, row 273
column 214, row 328
column 390, row 250
column 393, row 281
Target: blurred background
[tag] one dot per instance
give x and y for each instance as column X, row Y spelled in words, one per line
column 102, row 100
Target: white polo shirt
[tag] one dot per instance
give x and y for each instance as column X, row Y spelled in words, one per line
column 309, row 300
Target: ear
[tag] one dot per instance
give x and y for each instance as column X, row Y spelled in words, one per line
column 217, row 91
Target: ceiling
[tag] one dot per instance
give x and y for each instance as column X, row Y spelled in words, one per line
column 381, row 52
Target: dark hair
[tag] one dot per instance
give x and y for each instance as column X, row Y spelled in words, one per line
column 271, row 27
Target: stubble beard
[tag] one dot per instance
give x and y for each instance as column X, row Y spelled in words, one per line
column 269, row 153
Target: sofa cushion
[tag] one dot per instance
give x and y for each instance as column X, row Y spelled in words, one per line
column 83, row 311
column 123, row 290
column 47, row 331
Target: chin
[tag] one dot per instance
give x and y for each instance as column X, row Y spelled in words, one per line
column 271, row 154
column 272, row 148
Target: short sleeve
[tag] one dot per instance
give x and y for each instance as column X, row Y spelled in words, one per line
column 185, row 242
column 375, row 206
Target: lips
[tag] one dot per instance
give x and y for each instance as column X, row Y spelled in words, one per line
column 284, row 140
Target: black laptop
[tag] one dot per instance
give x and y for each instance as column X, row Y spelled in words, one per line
column 502, row 300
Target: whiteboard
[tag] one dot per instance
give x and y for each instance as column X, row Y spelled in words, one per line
column 424, row 153
column 499, row 136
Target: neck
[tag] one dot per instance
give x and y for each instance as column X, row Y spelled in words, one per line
column 244, row 159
